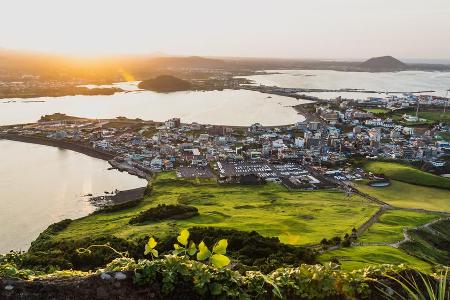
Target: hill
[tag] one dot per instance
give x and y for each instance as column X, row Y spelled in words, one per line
column 407, row 174
column 165, row 84
column 383, row 64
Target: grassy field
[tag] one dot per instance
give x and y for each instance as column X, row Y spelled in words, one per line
column 389, row 227
column 376, row 110
column 271, row 210
column 431, row 117
column 362, row 256
column 407, row 174
column 407, row 195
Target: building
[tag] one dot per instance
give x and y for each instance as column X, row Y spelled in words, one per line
column 173, row 123
column 299, row 142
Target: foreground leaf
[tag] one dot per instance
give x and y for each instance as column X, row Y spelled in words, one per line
column 220, row 261
column 203, row 252
column 183, row 237
column 155, row 252
column 192, row 249
column 220, row 247
column 150, row 245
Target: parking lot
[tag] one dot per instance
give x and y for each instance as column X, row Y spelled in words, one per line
column 195, row 172
column 262, row 170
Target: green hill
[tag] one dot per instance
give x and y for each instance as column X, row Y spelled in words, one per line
column 408, row 174
column 165, row 84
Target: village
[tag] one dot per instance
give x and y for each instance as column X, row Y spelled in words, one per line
column 312, row 154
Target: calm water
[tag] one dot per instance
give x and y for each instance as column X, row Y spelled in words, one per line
column 229, row 107
column 41, row 185
column 407, row 81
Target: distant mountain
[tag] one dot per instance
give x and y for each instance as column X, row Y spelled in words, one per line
column 383, row 64
column 165, row 84
column 188, row 62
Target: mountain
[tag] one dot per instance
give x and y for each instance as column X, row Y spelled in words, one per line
column 165, row 84
column 383, row 64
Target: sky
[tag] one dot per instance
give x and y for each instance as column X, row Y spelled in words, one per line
column 337, row 29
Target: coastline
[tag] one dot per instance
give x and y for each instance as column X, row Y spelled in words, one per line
column 123, row 196
column 86, row 150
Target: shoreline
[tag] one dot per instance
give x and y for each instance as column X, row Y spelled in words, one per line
column 86, row 150
column 79, row 148
column 82, row 149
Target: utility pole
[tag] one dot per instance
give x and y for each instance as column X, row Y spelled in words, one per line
column 417, row 110
column 446, row 100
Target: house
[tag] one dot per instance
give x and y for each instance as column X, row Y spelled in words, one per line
column 299, row 142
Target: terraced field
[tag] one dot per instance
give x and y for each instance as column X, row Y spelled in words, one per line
column 431, row 243
column 389, row 227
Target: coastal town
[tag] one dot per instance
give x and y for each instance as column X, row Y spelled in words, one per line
column 318, row 152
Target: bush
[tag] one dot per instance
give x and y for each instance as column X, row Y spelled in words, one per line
column 163, row 212
column 118, row 207
column 63, row 254
column 250, row 249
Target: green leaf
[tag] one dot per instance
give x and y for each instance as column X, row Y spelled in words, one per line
column 155, row 252
column 176, row 246
column 220, row 261
column 276, row 290
column 216, row 289
column 152, row 243
column 203, row 252
column 192, row 248
column 220, row 247
column 183, row 237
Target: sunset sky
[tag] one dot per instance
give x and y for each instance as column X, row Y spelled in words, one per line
column 283, row 28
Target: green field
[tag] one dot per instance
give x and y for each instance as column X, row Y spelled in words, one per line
column 296, row 217
column 407, row 174
column 376, row 110
column 431, row 117
column 389, row 227
column 407, row 195
column 437, row 116
column 361, row 256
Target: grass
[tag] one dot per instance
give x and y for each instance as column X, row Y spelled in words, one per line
column 437, row 116
column 362, row 256
column 407, row 195
column 430, row 245
column 444, row 136
column 407, row 174
column 431, row 116
column 376, row 110
column 389, row 227
column 296, row 217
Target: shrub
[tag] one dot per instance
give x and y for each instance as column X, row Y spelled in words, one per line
column 163, row 212
column 252, row 250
